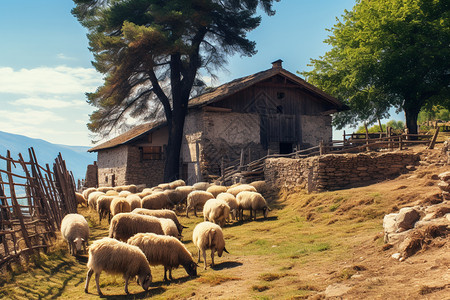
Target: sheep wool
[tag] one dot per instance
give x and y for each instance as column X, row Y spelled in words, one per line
column 157, row 200
column 208, row 235
column 87, row 191
column 196, row 200
column 115, row 257
column 169, row 228
column 134, row 200
column 92, row 199
column 125, row 225
column 252, row 201
column 120, row 205
column 216, row 211
column 231, row 201
column 166, row 251
column 201, row 186
column 104, row 207
column 80, row 199
column 217, row 189
column 161, row 213
column 75, row 230
column 240, row 188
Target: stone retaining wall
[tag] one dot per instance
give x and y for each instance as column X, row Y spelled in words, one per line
column 336, row 171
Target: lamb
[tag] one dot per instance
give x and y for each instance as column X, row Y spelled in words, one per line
column 166, row 251
column 80, row 199
column 92, row 199
column 252, row 201
column 240, row 188
column 119, row 205
column 161, row 213
column 134, row 200
column 125, row 225
column 104, row 207
column 197, row 199
column 208, row 235
column 75, row 230
column 216, row 189
column 115, row 257
column 156, row 200
column 216, row 211
column 87, row 191
column 201, row 186
column 231, row 201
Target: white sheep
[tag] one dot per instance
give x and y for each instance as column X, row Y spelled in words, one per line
column 231, row 201
column 208, row 235
column 80, row 199
column 163, row 186
column 115, row 257
column 216, row 211
column 166, row 251
column 119, row 205
column 104, row 207
column 161, row 213
column 217, row 189
column 169, row 228
column 201, row 186
column 124, row 194
column 87, row 191
column 240, row 188
column 75, row 230
column 185, row 191
column 134, row 200
column 125, row 225
column 197, row 199
column 130, row 188
column 104, row 189
column 111, row 193
column 261, row 186
column 92, row 199
column 157, row 200
column 174, row 184
column 252, row 201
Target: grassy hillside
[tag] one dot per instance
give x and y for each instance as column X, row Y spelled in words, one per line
column 311, row 243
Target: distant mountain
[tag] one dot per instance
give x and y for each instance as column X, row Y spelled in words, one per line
column 77, row 158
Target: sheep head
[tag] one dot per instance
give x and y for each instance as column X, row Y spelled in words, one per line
column 144, row 281
column 79, row 242
column 191, row 268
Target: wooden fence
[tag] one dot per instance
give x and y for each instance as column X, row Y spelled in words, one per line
column 33, row 199
column 352, row 143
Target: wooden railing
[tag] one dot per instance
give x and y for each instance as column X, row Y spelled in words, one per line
column 33, row 201
column 355, row 143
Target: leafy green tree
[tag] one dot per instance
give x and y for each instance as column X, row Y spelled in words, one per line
column 151, row 52
column 389, row 53
column 437, row 112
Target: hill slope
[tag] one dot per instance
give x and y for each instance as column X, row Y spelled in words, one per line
column 77, row 158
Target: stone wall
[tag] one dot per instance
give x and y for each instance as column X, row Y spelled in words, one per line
column 336, row 171
column 112, row 163
column 148, row 172
column 91, row 179
column 315, row 129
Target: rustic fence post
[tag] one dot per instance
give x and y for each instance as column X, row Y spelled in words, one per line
column 321, row 148
column 241, row 161
column 433, row 141
column 400, row 146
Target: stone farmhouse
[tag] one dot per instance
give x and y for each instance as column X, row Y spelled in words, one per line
column 271, row 111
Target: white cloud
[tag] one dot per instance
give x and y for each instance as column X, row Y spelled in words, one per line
column 48, row 103
column 46, row 80
column 27, row 117
column 63, row 56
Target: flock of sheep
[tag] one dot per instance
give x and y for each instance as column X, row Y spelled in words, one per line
column 144, row 229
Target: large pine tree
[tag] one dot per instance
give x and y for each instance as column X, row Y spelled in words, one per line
column 151, row 51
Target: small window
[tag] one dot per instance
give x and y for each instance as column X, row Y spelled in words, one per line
column 151, row 153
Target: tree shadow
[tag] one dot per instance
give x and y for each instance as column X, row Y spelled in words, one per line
column 226, row 265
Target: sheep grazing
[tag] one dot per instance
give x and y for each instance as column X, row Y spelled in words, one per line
column 87, row 191
column 92, row 199
column 158, row 200
column 104, row 189
column 111, row 193
column 120, row 205
column 252, row 201
column 134, row 200
column 208, row 235
column 161, row 213
column 175, row 196
column 104, row 207
column 124, row 194
column 75, row 230
column 216, row 211
column 201, row 186
column 240, row 188
column 166, row 251
column 261, row 186
column 123, row 226
column 169, row 228
column 130, row 188
column 163, row 186
column 217, row 189
column 197, row 199
column 80, row 199
column 115, row 257
column 185, row 191
column 231, row 201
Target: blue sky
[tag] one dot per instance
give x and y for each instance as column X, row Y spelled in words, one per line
column 45, row 66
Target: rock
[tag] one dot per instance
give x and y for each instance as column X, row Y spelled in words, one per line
column 444, row 186
column 396, row 256
column 406, row 218
column 389, row 225
column 336, row 290
column 445, row 176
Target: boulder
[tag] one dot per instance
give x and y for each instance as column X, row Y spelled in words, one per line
column 406, row 218
column 444, row 186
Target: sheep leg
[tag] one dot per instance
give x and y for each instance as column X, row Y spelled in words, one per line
column 195, row 210
column 204, row 257
column 212, row 257
column 198, row 256
column 170, row 274
column 126, row 284
column 187, row 209
column 255, row 214
column 88, row 278
column 97, row 283
column 165, row 273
